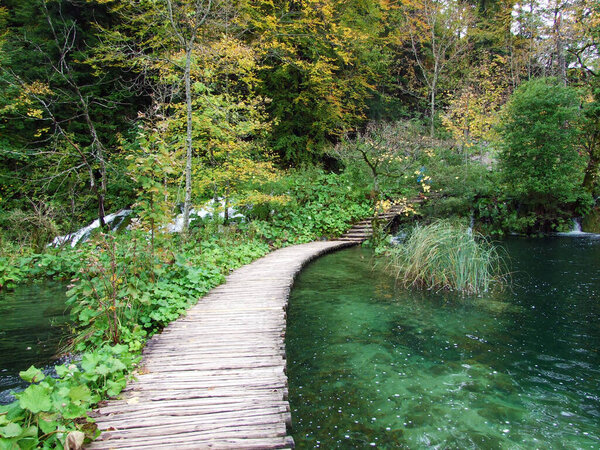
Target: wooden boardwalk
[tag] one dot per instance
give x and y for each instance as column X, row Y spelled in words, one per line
column 363, row 230
column 216, row 378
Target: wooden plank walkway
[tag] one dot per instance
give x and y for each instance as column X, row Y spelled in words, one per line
column 363, row 230
column 216, row 378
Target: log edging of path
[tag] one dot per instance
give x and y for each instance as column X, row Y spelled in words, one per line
column 215, row 378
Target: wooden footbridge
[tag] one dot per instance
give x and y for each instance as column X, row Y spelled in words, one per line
column 363, row 230
column 216, row 378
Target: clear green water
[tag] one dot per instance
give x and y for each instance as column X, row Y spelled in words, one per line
column 33, row 322
column 372, row 365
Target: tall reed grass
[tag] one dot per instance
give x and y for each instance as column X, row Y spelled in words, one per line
column 447, row 255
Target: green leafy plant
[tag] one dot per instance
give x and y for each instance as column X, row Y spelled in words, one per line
column 52, row 408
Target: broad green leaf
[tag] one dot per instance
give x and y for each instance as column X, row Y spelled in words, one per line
column 32, row 375
column 103, row 369
column 80, row 394
column 48, row 426
column 11, row 430
column 115, row 387
column 119, row 349
column 35, row 398
column 116, row 364
column 73, row 411
column 61, row 370
column 90, row 361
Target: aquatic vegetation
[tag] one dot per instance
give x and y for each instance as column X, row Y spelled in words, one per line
column 447, row 255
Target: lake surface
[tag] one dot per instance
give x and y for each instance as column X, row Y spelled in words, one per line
column 33, row 321
column 373, row 365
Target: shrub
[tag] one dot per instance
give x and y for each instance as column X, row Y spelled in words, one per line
column 34, row 227
column 540, row 162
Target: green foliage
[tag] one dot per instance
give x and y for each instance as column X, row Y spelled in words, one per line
column 10, row 275
column 52, row 407
column 541, row 165
column 33, row 227
column 31, row 266
column 457, row 183
column 446, row 255
column 387, row 155
column 59, row 115
column 591, row 221
column 319, row 60
column 321, row 205
column 152, row 166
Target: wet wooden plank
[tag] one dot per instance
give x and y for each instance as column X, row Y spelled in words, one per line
column 216, row 377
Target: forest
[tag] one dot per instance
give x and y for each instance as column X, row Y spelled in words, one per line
column 248, row 125
column 165, row 105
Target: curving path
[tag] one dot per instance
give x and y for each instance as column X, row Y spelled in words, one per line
column 216, row 377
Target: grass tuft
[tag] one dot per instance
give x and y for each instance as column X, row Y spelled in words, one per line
column 447, row 256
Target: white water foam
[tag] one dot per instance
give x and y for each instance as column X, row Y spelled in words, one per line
column 175, row 226
column 113, row 220
column 576, row 231
column 208, row 210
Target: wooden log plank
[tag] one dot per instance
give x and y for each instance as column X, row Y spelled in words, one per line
column 191, row 408
column 204, row 432
column 184, row 392
column 118, row 406
column 196, row 441
column 243, row 444
column 241, row 418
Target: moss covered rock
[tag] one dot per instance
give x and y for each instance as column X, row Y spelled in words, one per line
column 591, row 222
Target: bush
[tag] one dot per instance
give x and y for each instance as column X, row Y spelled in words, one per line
column 541, row 166
column 457, row 184
column 33, row 228
column 446, row 255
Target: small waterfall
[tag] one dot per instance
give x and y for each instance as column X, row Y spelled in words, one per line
column 209, row 210
column 398, row 239
column 576, row 226
column 116, row 220
column 471, row 225
column 577, row 231
column 113, row 220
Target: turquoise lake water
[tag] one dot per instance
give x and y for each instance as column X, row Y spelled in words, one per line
column 33, row 323
column 373, row 365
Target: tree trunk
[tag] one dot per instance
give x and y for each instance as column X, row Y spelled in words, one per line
column 432, row 109
column 101, row 212
column 188, row 140
column 226, row 206
column 561, row 64
column 591, row 173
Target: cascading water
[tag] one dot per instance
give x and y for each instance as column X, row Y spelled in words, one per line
column 576, row 230
column 114, row 221
column 471, row 224
column 209, row 210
